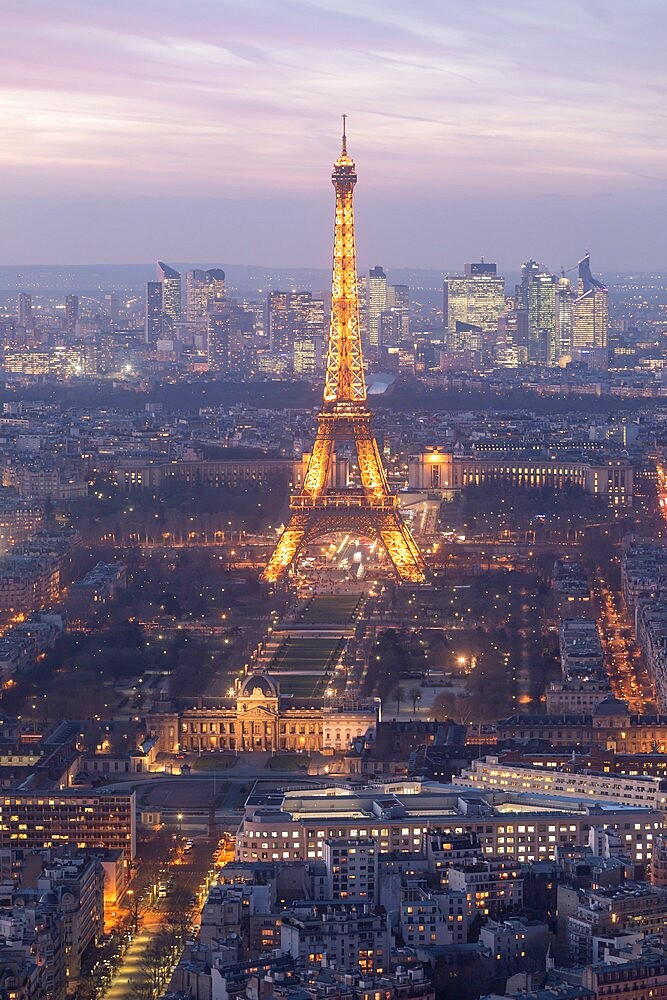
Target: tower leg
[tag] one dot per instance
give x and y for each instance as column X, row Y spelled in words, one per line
column 402, row 550
column 372, row 474
column 284, row 553
column 319, row 465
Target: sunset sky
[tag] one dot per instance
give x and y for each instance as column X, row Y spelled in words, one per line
column 205, row 130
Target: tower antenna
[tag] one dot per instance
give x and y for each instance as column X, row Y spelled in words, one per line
column 344, row 136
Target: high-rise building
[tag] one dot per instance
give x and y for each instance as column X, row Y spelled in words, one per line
column 377, row 303
column 171, row 293
column 204, row 291
column 563, row 321
column 153, row 312
column 390, row 335
column 71, row 314
column 468, row 337
column 111, row 309
column 362, row 286
column 308, row 355
column 230, row 330
column 293, row 316
column 24, row 311
column 477, row 299
column 590, row 311
column 540, row 289
column 278, row 321
column 529, row 270
column 398, row 303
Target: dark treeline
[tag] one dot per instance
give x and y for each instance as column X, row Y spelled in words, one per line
column 407, row 395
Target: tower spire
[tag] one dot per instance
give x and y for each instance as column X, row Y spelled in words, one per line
column 344, row 149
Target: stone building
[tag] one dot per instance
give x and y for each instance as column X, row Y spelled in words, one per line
column 610, row 726
column 260, row 720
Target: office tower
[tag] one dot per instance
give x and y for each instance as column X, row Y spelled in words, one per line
column 477, row 299
column 468, row 337
column 71, row 314
column 424, row 355
column 171, row 294
column 256, row 310
column 563, row 321
column 590, row 312
column 278, row 321
column 111, row 309
column 362, row 286
column 529, row 270
column 308, row 355
column 398, row 302
column 24, row 310
column 377, row 303
column 512, row 342
column 204, row 290
column 541, row 319
column 293, row 316
column 153, row 312
column 230, row 331
column 389, row 335
column 368, row 508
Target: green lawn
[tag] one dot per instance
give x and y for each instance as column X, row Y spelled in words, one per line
column 288, row 762
column 214, row 762
column 302, row 653
column 308, row 686
column 330, row 609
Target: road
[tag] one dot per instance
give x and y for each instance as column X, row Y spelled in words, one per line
column 627, row 673
column 130, row 969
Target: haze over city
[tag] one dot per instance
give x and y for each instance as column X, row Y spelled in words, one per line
column 203, row 131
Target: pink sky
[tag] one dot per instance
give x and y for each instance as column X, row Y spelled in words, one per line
column 480, row 117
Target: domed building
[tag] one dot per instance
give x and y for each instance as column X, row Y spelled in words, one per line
column 261, row 720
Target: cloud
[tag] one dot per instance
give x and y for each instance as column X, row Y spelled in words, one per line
column 241, row 99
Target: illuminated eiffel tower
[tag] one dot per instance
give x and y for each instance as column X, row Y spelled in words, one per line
column 370, row 510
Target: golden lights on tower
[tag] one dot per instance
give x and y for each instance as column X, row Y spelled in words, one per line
column 317, row 509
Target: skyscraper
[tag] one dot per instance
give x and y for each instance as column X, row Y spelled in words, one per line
column 398, row 303
column 377, row 303
column 204, row 291
column 308, row 355
column 362, row 285
column 24, row 311
column 171, row 293
column 228, row 326
column 153, row 312
column 477, row 299
column 590, row 312
column 111, row 309
column 529, row 270
column 563, row 321
column 293, row 316
column 71, row 314
column 541, row 318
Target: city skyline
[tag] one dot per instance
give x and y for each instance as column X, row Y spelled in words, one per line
column 479, row 132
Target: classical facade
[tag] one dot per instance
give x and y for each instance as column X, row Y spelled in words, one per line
column 260, row 720
column 610, row 726
column 448, row 473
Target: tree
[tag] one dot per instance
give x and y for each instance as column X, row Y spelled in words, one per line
column 415, row 695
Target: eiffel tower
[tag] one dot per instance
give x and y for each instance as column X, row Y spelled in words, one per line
column 370, row 510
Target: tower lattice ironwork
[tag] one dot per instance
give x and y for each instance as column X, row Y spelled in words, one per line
column 369, row 510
